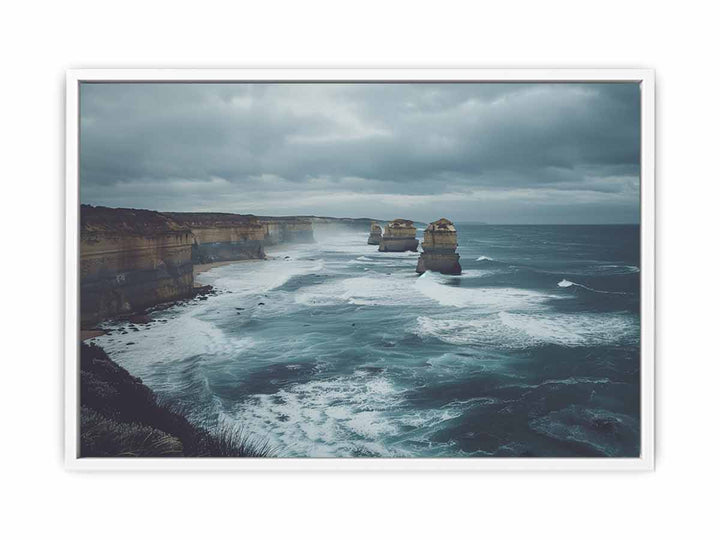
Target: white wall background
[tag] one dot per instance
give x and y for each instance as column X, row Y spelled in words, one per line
column 39, row 41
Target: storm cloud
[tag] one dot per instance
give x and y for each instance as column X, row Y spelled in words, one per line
column 498, row 153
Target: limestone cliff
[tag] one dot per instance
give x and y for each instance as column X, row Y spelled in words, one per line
column 375, row 234
column 287, row 229
column 399, row 235
column 129, row 260
column 334, row 223
column 223, row 237
column 439, row 245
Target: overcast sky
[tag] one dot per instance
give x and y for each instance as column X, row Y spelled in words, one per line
column 498, row 153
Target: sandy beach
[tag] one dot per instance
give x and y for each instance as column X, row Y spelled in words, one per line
column 200, row 268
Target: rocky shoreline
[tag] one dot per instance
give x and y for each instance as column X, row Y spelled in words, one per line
column 132, row 259
column 121, row 417
column 135, row 263
column 145, row 316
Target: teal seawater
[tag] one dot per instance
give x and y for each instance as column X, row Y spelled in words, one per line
column 334, row 349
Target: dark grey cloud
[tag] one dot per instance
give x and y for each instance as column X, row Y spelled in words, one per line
column 505, row 153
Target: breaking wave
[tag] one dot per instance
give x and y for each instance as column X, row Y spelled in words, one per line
column 565, row 284
column 433, row 286
column 616, row 269
column 521, row 331
column 341, row 416
column 370, row 290
column 337, row 349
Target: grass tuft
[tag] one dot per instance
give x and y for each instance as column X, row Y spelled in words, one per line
column 234, row 441
column 120, row 416
column 105, row 437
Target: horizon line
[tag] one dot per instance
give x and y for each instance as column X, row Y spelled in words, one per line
column 347, row 217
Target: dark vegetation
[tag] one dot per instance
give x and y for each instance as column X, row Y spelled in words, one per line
column 94, row 219
column 121, row 417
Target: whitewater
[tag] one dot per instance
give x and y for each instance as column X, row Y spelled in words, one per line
column 334, row 349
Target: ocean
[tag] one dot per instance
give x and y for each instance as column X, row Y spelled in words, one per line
column 334, row 349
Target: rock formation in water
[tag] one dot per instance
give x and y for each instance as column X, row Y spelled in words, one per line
column 399, row 235
column 223, row 237
column 439, row 245
column 129, row 260
column 133, row 259
column 375, row 234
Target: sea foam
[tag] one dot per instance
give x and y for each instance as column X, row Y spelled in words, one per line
column 520, row 330
column 493, row 299
column 565, row 283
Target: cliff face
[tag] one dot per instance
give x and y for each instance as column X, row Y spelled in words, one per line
column 291, row 230
column 399, row 235
column 349, row 224
column 133, row 259
column 375, row 234
column 439, row 245
column 223, row 237
column 230, row 237
column 129, row 260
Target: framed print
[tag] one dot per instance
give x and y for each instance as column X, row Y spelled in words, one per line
column 360, row 269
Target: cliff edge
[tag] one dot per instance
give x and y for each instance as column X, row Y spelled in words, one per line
column 121, row 417
column 130, row 260
column 222, row 237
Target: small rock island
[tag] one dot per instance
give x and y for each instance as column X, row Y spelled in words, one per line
column 375, row 234
column 399, row 235
column 439, row 245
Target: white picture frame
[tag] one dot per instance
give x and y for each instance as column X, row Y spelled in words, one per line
column 644, row 77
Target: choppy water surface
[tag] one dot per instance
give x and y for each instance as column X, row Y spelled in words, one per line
column 335, row 349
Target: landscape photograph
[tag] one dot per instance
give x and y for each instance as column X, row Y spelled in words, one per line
column 359, row 270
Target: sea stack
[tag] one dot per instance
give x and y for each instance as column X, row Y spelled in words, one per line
column 439, row 245
column 375, row 234
column 399, row 235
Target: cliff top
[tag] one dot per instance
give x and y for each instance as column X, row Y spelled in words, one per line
column 213, row 219
column 400, row 223
column 442, row 225
column 126, row 220
column 302, row 219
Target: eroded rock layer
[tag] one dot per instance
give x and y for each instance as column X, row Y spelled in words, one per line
column 129, row 260
column 399, row 235
column 439, row 245
column 375, row 234
column 342, row 224
column 223, row 237
column 290, row 230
